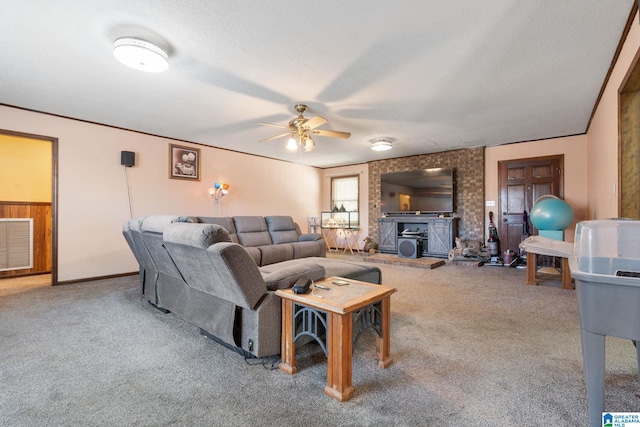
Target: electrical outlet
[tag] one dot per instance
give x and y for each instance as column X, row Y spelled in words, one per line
column 490, row 203
column 250, row 345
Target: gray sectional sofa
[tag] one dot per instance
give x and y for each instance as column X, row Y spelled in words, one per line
column 200, row 269
column 270, row 239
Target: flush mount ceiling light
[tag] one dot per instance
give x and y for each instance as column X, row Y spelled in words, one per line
column 381, row 144
column 140, row 54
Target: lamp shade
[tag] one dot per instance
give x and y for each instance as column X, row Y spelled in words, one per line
column 309, row 144
column 140, row 54
column 292, row 144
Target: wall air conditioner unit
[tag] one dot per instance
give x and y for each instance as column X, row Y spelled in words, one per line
column 16, row 244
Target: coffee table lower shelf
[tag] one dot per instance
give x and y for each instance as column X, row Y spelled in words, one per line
column 336, row 310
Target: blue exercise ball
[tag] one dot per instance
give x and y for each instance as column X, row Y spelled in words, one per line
column 551, row 213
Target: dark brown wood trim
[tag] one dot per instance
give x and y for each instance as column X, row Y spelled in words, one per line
column 14, row 276
column 92, row 279
column 625, row 33
column 54, row 211
column 25, row 203
column 54, row 195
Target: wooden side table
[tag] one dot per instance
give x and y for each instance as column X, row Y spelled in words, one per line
column 351, row 236
column 565, row 272
column 334, row 308
column 330, row 236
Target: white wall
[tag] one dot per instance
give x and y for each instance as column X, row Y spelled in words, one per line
column 92, row 188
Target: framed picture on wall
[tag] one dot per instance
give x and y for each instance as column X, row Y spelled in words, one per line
column 184, row 162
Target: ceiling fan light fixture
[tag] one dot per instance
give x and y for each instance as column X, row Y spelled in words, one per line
column 381, row 144
column 292, row 144
column 140, row 54
column 309, row 144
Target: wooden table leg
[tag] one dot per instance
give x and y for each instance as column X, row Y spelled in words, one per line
column 383, row 346
column 566, row 274
column 339, row 363
column 288, row 349
column 531, row 269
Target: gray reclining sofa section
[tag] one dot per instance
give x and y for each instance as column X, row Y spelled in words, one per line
column 201, row 273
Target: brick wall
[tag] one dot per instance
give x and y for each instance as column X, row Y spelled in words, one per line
column 469, row 187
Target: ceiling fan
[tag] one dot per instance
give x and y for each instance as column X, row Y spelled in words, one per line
column 301, row 130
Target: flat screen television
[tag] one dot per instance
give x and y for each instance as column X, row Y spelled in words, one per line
column 426, row 191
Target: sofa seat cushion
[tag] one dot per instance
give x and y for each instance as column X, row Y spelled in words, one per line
column 270, row 254
column 284, row 275
column 255, row 254
column 346, row 269
column 307, row 249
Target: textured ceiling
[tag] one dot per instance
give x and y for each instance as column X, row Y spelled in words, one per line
column 429, row 75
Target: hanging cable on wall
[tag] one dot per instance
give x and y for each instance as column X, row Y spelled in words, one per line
column 128, row 159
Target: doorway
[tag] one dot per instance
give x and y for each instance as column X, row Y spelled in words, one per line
column 521, row 182
column 43, row 214
column 629, row 145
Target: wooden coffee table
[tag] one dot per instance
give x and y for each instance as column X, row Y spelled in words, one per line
column 336, row 310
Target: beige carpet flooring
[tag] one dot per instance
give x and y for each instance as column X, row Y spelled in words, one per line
column 471, row 347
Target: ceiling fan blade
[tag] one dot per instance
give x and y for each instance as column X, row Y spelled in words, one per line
column 331, row 133
column 314, row 122
column 276, row 137
column 274, row 125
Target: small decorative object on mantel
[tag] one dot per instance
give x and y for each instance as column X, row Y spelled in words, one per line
column 184, row 162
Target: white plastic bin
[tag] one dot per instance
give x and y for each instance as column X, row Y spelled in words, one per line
column 606, row 268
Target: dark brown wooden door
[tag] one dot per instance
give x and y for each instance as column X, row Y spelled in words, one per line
column 521, row 183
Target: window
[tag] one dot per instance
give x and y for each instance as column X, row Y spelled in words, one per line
column 345, row 193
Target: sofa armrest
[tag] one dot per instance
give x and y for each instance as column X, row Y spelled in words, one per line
column 284, row 278
column 309, row 237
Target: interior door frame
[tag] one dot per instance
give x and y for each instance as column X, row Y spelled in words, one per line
column 54, row 195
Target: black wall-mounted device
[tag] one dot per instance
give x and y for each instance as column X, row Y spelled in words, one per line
column 127, row 158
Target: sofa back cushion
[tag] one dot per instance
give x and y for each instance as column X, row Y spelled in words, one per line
column 157, row 223
column 197, row 235
column 252, row 231
column 211, row 263
column 224, row 221
column 282, row 229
